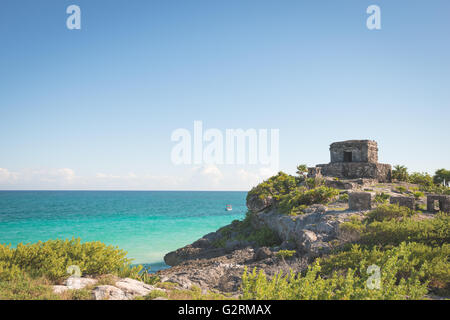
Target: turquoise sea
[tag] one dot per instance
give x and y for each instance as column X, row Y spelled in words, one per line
column 147, row 224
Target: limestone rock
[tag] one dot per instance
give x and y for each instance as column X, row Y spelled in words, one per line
column 263, row 253
column 107, row 292
column 172, row 259
column 133, row 288
column 76, row 283
column 359, row 201
column 288, row 245
column 306, row 239
column 256, row 204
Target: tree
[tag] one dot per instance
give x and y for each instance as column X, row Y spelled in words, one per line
column 423, row 179
column 442, row 176
column 302, row 171
column 400, row 173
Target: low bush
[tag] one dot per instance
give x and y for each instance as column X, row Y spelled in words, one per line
column 296, row 201
column 381, row 197
column 389, row 211
column 433, row 232
column 51, row 259
column 423, row 179
column 343, row 197
column 24, row 287
column 262, row 237
column 244, row 231
column 283, row 254
column 274, row 187
column 424, row 263
column 400, row 173
column 313, row 285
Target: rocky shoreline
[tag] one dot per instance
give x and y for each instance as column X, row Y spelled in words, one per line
column 220, row 268
column 266, row 240
column 217, row 261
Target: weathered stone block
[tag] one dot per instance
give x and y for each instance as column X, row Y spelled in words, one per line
column 354, row 151
column 359, row 201
column 353, row 159
column 404, row 201
column 438, row 203
column 354, row 170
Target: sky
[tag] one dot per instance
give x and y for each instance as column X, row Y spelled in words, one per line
column 95, row 108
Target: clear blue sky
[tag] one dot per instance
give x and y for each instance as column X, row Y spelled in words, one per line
column 94, row 108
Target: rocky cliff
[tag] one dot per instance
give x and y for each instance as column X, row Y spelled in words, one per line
column 217, row 260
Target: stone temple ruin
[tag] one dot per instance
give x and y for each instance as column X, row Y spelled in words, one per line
column 353, row 159
column 355, row 162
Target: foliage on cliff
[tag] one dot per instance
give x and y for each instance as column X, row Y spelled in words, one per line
column 292, row 194
column 274, row 187
column 298, row 199
column 352, row 284
column 52, row 258
column 412, row 255
column 243, row 231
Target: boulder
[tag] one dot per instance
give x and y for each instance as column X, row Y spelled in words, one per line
column 172, row 259
column 403, row 201
column 133, row 288
column 359, row 201
column 307, row 238
column 325, row 227
column 76, row 283
column 288, row 245
column 263, row 253
column 256, row 204
column 107, row 292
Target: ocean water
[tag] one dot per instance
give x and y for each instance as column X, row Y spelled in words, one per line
column 147, row 224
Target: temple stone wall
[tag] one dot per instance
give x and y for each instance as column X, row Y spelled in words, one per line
column 442, row 200
column 353, row 159
column 403, row 201
column 359, row 201
column 361, row 151
column 354, row 170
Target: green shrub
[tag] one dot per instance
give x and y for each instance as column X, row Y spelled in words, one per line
column 423, row 179
column 148, row 278
column 302, row 171
column 283, row 254
column 275, row 186
column 314, row 286
column 51, row 259
column 351, row 230
column 418, row 194
column 312, row 183
column 400, row 173
column 262, row 237
column 438, row 189
column 381, row 197
column 156, row 294
column 244, row 231
column 295, row 202
column 23, row 287
column 401, row 189
column 434, row 232
column 389, row 211
column 427, row 264
column 442, row 176
column 343, row 197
